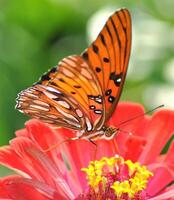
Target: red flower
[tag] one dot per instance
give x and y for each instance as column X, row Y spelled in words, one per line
column 56, row 174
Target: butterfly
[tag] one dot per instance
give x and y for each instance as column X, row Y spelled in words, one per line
column 82, row 91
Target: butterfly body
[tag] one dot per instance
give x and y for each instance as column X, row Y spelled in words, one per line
column 82, row 91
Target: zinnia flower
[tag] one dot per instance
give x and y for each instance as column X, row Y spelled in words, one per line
column 131, row 166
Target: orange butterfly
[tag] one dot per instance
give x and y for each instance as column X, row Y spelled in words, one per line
column 82, row 91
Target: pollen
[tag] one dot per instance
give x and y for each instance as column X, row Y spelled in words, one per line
column 115, row 178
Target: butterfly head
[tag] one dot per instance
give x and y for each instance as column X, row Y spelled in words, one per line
column 109, row 132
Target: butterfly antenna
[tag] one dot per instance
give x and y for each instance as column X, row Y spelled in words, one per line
column 58, row 144
column 124, row 131
column 141, row 115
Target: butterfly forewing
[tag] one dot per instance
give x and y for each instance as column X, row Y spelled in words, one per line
column 82, row 91
column 108, row 56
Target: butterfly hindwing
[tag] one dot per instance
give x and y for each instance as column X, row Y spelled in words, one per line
column 68, row 95
column 49, row 105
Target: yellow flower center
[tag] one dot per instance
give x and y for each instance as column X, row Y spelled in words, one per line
column 118, row 179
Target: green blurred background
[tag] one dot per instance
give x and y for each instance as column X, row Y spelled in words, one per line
column 36, row 34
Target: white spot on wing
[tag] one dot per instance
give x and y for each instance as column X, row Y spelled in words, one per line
column 41, row 103
column 98, row 111
column 88, row 124
column 119, row 80
column 64, row 104
column 51, row 89
column 38, row 107
column 52, row 116
column 50, row 95
column 79, row 112
column 66, row 114
column 29, row 94
column 72, row 123
column 98, row 99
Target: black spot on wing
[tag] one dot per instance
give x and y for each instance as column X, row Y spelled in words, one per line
column 98, row 99
column 56, row 99
column 91, row 97
column 111, row 99
column 117, row 78
column 98, row 69
column 119, row 17
column 103, row 39
column 116, row 32
column 46, row 76
column 53, row 83
column 53, row 70
column 108, row 92
column 77, row 86
column 85, row 55
column 106, row 60
column 95, row 48
column 61, row 80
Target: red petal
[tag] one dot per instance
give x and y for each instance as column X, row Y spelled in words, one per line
column 22, row 132
column 107, row 148
column 10, row 159
column 29, row 159
column 19, row 188
column 77, row 154
column 163, row 174
column 47, row 137
column 158, row 132
column 167, row 194
column 135, row 145
column 125, row 112
column 42, row 168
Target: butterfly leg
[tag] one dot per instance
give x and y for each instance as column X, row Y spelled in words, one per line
column 118, row 130
column 58, row 144
column 92, row 142
column 116, row 146
column 95, row 150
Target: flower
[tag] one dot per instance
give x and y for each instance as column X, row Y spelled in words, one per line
column 127, row 166
column 114, row 178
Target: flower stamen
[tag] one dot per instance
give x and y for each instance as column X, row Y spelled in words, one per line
column 115, row 178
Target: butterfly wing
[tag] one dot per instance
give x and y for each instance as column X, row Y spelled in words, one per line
column 68, row 95
column 108, row 57
column 82, row 91
column 49, row 105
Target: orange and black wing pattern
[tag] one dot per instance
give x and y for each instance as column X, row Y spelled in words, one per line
column 108, row 56
column 62, row 96
column 82, row 91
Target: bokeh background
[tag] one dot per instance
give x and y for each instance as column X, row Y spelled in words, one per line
column 36, row 34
